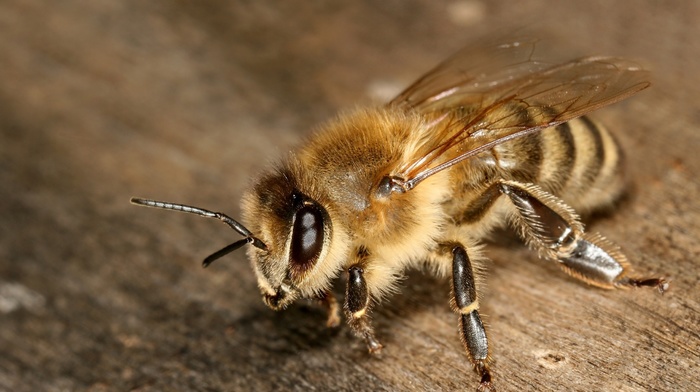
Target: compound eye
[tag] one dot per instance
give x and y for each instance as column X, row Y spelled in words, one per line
column 307, row 237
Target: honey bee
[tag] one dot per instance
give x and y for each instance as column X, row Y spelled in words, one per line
column 491, row 137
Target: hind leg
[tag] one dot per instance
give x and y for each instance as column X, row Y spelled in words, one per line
column 552, row 228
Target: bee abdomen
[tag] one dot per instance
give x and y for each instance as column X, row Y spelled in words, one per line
column 578, row 161
column 582, row 163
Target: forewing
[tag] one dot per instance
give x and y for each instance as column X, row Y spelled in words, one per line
column 476, row 68
column 518, row 96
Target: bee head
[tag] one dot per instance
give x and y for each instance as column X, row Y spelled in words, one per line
column 290, row 233
column 297, row 231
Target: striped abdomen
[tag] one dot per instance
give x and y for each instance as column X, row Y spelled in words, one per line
column 578, row 161
column 582, row 164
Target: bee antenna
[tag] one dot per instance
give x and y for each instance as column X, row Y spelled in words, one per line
column 232, row 223
column 225, row 250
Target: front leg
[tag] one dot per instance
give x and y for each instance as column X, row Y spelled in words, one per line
column 357, row 304
column 327, row 299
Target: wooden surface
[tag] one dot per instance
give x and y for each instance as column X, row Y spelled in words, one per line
column 187, row 100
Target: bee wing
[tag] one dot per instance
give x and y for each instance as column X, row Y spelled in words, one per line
column 514, row 95
column 473, row 68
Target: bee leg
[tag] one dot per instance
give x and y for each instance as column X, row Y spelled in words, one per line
column 553, row 229
column 327, row 299
column 357, row 308
column 466, row 304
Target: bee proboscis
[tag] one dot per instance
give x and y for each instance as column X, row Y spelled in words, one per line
column 491, row 136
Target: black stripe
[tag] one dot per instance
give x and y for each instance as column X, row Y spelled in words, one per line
column 566, row 166
column 596, row 165
column 620, row 163
column 525, row 153
column 527, row 166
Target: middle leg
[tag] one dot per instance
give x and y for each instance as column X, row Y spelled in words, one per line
column 465, row 302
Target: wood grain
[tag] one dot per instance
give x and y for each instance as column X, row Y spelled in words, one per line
column 186, row 101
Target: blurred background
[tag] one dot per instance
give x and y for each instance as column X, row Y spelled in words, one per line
column 187, row 100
